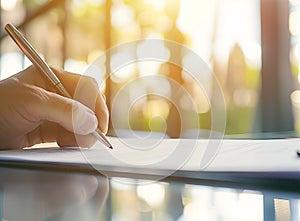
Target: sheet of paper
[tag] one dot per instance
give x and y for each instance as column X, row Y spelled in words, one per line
column 173, row 154
column 258, row 155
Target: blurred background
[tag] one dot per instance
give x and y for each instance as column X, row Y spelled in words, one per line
column 251, row 46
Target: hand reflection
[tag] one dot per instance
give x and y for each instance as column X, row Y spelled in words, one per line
column 31, row 195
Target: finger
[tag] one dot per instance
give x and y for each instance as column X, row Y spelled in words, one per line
column 52, row 132
column 82, row 88
column 68, row 139
column 70, row 114
column 88, row 93
column 86, row 90
column 49, row 132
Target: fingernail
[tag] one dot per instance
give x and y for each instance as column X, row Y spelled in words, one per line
column 84, row 120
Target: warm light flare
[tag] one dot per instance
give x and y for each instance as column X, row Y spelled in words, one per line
column 153, row 194
column 157, row 4
column 8, row 4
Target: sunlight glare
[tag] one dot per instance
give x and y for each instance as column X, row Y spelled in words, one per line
column 156, row 50
column 295, row 2
column 75, row 66
column 122, row 15
column 221, row 32
column 121, row 66
column 146, row 68
column 295, row 97
column 294, row 23
column 8, row 5
column 96, row 2
column 252, row 51
column 153, row 194
column 123, row 74
column 157, row 4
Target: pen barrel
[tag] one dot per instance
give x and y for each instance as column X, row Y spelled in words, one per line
column 31, row 53
column 101, row 137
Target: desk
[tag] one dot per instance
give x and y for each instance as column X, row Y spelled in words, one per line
column 48, row 192
column 40, row 194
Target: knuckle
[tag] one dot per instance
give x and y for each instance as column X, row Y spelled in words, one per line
column 35, row 94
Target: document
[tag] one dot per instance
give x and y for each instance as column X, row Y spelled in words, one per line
column 170, row 154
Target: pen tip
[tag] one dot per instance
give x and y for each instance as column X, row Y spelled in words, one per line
column 111, row 147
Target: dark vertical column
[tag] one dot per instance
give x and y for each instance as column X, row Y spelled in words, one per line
column 277, row 84
column 269, row 210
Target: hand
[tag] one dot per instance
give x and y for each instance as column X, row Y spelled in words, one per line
column 32, row 111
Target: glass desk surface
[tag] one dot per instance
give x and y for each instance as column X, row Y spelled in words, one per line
column 55, row 193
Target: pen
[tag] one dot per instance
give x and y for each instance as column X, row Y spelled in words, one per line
column 34, row 57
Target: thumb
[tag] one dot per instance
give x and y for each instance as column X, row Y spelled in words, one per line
column 70, row 114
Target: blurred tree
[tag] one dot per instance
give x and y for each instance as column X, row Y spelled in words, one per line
column 174, row 121
column 277, row 85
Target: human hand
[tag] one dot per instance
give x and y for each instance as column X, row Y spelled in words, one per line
column 32, row 110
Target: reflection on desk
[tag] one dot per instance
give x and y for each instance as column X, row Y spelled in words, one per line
column 31, row 195
column 40, row 195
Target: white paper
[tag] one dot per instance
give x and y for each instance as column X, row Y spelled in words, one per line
column 173, row 154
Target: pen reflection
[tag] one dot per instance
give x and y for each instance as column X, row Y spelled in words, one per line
column 31, row 195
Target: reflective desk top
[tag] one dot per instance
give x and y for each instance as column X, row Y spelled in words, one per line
column 45, row 194
column 50, row 192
